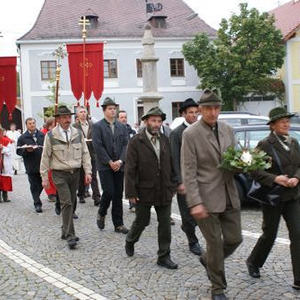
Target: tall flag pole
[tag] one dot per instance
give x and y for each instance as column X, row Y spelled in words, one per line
column 84, row 22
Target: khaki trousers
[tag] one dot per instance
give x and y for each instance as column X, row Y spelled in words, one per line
column 222, row 232
column 66, row 184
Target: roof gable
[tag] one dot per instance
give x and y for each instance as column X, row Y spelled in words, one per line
column 287, row 18
column 117, row 19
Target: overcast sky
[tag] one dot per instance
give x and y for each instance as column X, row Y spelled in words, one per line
column 18, row 16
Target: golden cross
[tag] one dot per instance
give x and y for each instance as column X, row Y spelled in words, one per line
column 84, row 22
column 2, row 78
column 86, row 65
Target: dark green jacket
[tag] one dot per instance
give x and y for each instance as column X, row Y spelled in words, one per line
column 290, row 162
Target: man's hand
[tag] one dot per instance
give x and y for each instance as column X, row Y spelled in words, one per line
column 134, row 200
column 118, row 165
column 282, row 180
column 88, row 179
column 293, row 182
column 45, row 184
column 181, row 189
column 113, row 166
column 199, row 212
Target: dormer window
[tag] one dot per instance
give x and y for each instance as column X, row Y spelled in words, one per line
column 92, row 17
column 158, row 21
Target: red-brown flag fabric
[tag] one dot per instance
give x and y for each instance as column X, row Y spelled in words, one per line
column 8, row 83
column 94, row 81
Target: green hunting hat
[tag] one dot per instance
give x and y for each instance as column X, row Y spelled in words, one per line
column 209, row 98
column 63, row 111
column 108, row 101
column 278, row 113
column 154, row 111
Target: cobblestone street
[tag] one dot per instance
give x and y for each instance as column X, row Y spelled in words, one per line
column 36, row 264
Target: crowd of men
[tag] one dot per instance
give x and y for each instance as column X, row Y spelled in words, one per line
column 154, row 164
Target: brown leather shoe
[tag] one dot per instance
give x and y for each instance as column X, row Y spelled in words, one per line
column 121, row 229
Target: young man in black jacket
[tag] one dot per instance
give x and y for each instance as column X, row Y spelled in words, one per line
column 110, row 140
column 30, row 147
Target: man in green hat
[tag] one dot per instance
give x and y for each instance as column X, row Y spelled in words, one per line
column 65, row 151
column 211, row 192
column 110, row 139
column 149, row 181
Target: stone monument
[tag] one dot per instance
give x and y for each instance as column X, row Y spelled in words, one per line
column 150, row 96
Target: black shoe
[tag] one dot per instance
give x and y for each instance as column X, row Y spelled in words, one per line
column 76, row 238
column 121, row 229
column 75, row 216
column 253, row 270
column 129, row 248
column 203, row 263
column 81, row 199
column 100, row 222
column 97, row 200
column 219, row 297
column 87, row 194
column 5, row 196
column 196, row 249
column 72, row 244
column 296, row 285
column 167, row 263
column 38, row 209
column 57, row 209
column 172, row 222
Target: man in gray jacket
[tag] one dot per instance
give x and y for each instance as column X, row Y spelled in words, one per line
column 211, row 192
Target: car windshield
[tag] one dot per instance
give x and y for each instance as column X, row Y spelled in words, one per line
column 250, row 138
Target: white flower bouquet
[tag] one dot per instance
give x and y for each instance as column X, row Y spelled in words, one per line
column 245, row 160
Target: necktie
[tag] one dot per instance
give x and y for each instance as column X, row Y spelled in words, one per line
column 66, row 133
column 153, row 139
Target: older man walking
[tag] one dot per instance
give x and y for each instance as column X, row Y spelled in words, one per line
column 149, row 181
column 211, row 192
column 65, row 151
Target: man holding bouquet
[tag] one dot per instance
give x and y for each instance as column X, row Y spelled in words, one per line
column 211, row 192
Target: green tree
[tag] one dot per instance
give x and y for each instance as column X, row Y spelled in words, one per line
column 248, row 49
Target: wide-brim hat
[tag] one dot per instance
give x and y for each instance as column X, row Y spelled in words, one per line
column 186, row 104
column 108, row 101
column 63, row 111
column 209, row 98
column 278, row 113
column 154, row 111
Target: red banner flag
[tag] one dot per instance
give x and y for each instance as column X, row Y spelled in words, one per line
column 8, row 83
column 86, row 59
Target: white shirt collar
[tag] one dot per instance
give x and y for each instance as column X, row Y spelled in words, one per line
column 186, row 123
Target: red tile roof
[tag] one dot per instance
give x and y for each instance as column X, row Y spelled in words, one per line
column 287, row 18
column 58, row 19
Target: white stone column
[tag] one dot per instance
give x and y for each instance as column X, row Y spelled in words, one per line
column 150, row 96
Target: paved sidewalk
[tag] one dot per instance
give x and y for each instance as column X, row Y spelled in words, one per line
column 36, row 264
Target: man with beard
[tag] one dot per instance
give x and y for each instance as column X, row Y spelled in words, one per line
column 189, row 110
column 149, row 182
column 65, row 151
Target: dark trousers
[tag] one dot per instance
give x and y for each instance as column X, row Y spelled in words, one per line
column 188, row 223
column 36, row 187
column 222, row 232
column 142, row 219
column 112, row 186
column 94, row 184
column 271, row 218
column 66, row 184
